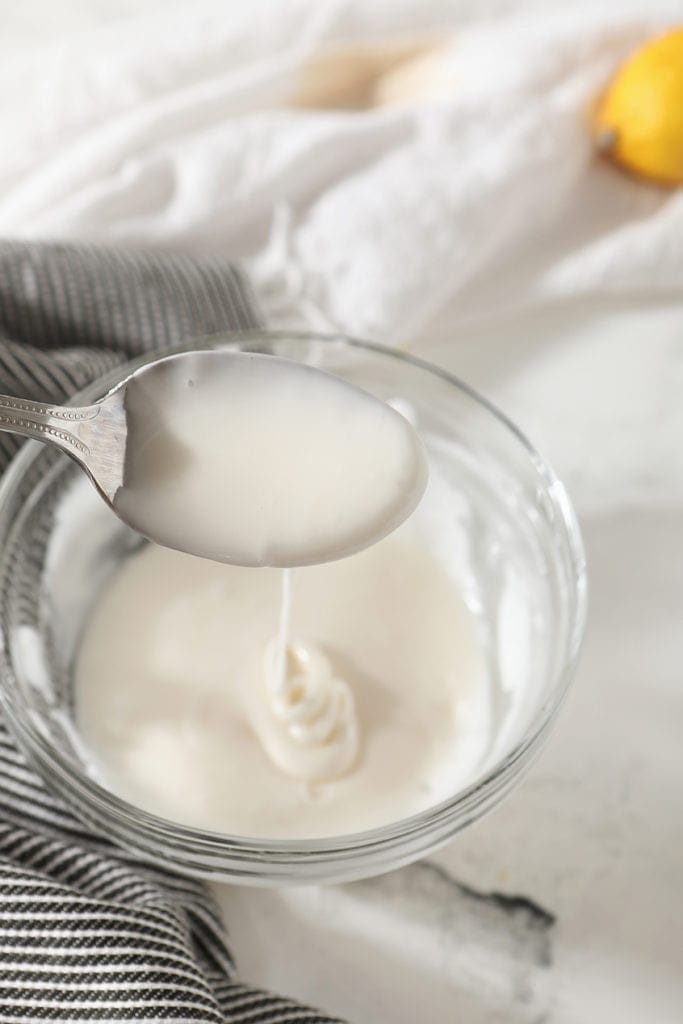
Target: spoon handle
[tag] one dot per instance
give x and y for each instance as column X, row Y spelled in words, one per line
column 54, row 424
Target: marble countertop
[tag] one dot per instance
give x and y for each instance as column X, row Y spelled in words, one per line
column 563, row 905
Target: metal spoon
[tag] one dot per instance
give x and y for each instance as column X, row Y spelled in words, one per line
column 134, row 440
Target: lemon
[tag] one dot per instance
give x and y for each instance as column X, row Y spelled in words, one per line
column 639, row 121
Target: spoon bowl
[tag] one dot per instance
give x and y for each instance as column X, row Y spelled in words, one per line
column 241, row 457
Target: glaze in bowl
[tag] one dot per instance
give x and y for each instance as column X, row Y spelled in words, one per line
column 503, row 525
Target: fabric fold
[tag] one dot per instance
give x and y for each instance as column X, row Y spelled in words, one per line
column 88, row 932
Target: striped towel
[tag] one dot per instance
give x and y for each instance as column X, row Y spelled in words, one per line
column 88, row 932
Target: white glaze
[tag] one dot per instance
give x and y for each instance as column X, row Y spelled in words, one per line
column 170, row 688
column 257, row 460
column 307, row 723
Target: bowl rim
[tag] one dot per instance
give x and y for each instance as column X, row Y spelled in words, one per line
column 218, row 854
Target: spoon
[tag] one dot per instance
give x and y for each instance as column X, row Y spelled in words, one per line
column 240, row 457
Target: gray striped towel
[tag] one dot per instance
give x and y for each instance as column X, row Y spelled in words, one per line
column 87, row 932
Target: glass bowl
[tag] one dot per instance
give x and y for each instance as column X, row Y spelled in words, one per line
column 503, row 526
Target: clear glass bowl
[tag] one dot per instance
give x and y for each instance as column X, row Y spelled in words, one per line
column 506, row 532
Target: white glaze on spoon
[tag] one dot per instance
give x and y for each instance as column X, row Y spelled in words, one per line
column 257, row 460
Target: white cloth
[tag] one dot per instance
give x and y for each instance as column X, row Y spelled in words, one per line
column 167, row 130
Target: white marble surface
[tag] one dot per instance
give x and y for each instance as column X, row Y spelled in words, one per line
column 594, row 834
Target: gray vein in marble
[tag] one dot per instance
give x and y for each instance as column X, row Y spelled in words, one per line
column 496, row 947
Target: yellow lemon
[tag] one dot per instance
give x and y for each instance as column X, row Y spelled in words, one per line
column 639, row 122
